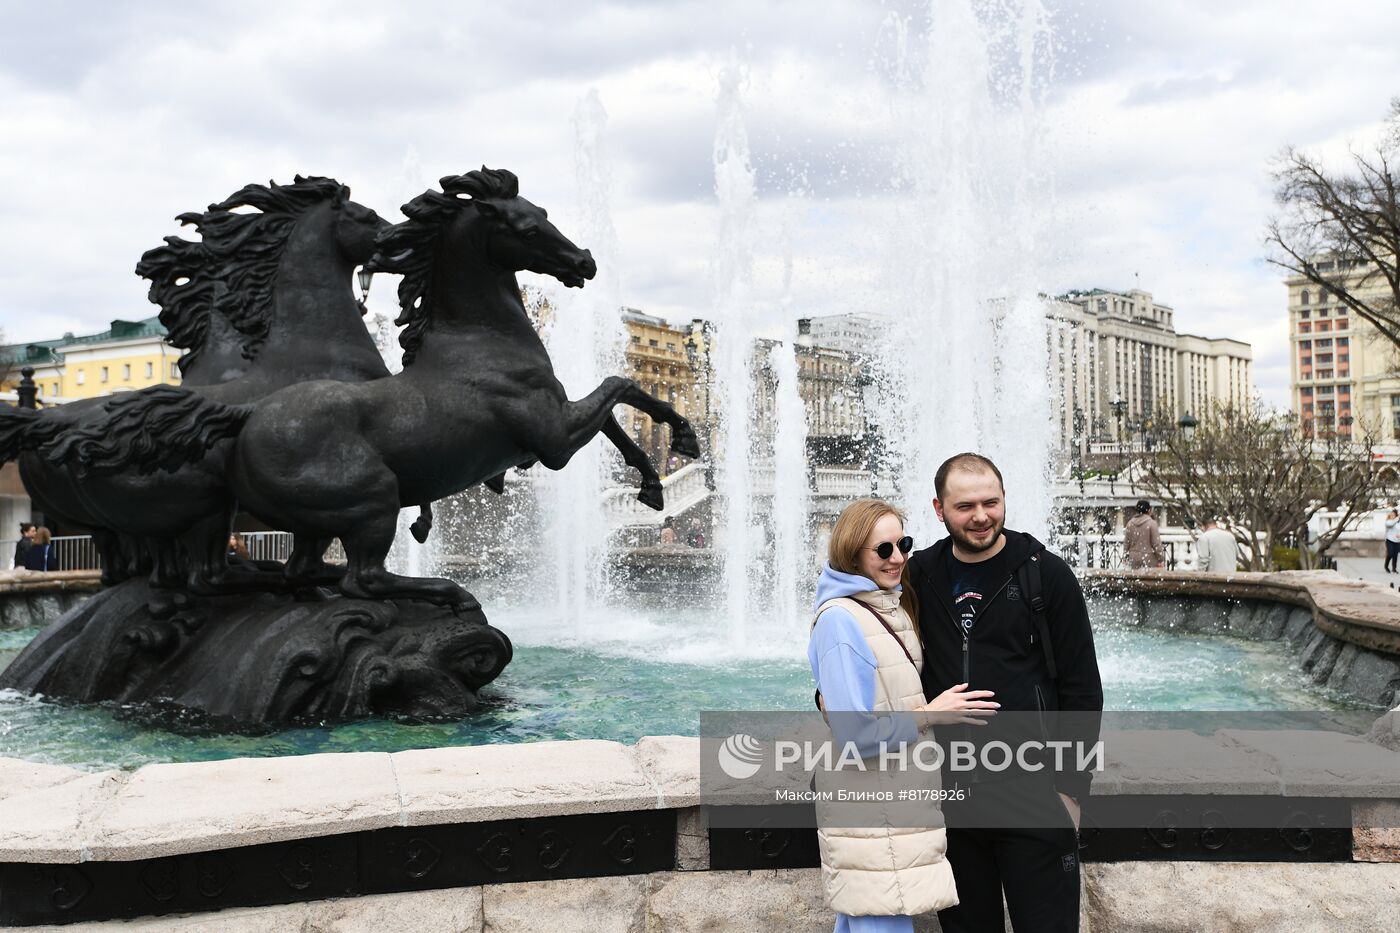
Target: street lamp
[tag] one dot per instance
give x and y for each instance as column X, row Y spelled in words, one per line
column 1188, row 425
column 365, row 276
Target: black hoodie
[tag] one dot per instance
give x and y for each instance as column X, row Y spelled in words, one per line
column 1002, row 651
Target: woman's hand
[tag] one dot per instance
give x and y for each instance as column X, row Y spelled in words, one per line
column 958, row 704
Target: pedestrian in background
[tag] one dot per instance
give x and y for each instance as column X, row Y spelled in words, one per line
column 41, row 554
column 25, row 542
column 1215, row 551
column 1142, row 542
column 1392, row 537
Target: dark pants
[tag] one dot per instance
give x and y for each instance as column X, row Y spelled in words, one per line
column 1013, row 836
column 1392, row 552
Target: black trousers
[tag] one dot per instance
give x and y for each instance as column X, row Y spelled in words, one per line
column 1392, row 551
column 1012, row 836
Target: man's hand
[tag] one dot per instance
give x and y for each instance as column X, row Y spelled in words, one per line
column 1072, row 808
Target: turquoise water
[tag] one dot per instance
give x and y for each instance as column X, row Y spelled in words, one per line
column 624, row 674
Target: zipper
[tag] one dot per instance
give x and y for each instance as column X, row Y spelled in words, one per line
column 967, row 661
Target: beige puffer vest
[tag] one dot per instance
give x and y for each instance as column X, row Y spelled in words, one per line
column 896, row 865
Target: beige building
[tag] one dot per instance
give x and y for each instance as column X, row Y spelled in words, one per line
column 1344, row 373
column 1121, row 368
column 657, row 360
column 128, row 355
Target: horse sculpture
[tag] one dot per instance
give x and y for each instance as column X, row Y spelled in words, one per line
column 477, row 395
column 273, row 284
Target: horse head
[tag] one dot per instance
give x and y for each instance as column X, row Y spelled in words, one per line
column 519, row 236
column 356, row 227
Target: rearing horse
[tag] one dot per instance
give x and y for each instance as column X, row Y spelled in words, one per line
column 281, row 279
column 477, row 394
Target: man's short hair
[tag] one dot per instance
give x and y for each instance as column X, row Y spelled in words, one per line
column 1143, row 506
column 968, row 463
column 25, row 526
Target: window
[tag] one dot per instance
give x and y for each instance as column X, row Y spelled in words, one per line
column 1324, row 358
column 1324, row 374
column 653, row 343
column 1307, row 393
column 1324, row 342
column 1304, row 327
column 1305, row 344
column 1306, row 297
column 1324, row 326
column 126, row 371
column 1324, row 390
column 41, row 389
column 1341, row 325
column 150, row 370
column 82, row 377
column 1341, row 311
column 174, row 373
column 1306, row 313
column 636, row 339
column 55, row 388
column 102, row 374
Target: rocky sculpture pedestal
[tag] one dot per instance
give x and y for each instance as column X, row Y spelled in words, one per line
column 264, row 659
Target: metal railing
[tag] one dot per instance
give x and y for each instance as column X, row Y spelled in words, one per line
column 72, row 552
column 78, row 552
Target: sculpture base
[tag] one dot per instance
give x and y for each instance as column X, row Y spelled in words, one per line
column 264, row 659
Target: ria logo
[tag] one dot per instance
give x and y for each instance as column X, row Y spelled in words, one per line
column 740, row 756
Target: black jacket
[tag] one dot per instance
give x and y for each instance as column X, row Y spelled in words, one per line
column 1003, row 651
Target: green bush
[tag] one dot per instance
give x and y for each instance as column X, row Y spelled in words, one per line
column 1286, row 558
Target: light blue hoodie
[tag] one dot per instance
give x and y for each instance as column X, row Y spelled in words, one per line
column 844, row 668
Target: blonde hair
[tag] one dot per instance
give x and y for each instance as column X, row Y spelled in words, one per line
column 42, row 535
column 852, row 530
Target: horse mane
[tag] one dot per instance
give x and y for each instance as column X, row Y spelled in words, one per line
column 247, row 247
column 409, row 249
column 184, row 284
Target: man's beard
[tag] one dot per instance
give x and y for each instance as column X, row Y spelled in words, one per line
column 968, row 546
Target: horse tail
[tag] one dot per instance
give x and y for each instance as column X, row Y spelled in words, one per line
column 24, row 429
column 162, row 427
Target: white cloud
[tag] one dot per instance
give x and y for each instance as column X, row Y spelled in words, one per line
column 1161, row 120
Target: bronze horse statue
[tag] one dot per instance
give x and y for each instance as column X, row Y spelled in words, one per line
column 477, row 396
column 264, row 301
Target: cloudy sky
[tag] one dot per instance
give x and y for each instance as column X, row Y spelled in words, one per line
column 1152, row 126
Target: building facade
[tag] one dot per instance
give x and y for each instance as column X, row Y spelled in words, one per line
column 657, row 359
column 1344, row 373
column 1122, row 369
column 128, row 355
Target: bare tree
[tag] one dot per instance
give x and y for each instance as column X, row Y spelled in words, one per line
column 1341, row 230
column 1253, row 468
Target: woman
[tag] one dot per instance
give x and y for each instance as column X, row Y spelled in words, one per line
column 866, row 657
column 41, row 554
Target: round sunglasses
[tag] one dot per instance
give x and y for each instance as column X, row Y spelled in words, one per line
column 885, row 549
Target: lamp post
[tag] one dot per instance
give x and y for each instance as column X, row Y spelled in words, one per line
column 1078, row 453
column 1187, row 426
column 365, row 276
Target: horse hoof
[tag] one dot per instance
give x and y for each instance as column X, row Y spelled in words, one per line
column 651, row 496
column 685, row 444
column 419, row 529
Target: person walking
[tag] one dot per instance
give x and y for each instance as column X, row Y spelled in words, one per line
column 41, row 555
column 866, row 658
column 25, row 542
column 1392, row 537
column 998, row 612
column 1142, row 541
column 1215, row 550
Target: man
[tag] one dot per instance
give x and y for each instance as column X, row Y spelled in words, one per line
column 1142, row 542
column 25, row 542
column 1215, row 551
column 1016, row 832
